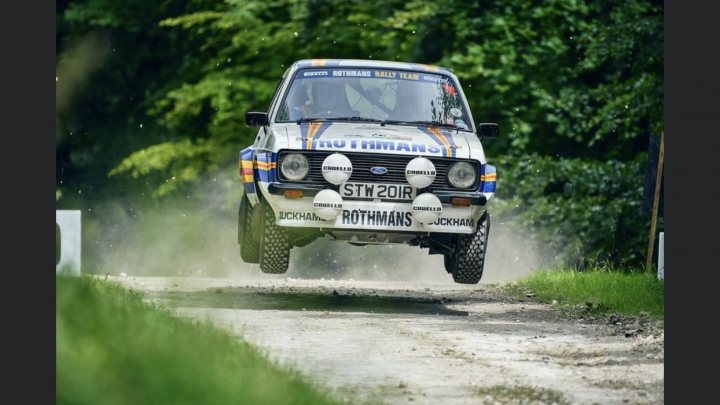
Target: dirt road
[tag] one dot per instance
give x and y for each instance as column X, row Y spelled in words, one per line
column 400, row 343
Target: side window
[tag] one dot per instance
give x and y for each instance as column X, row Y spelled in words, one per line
column 274, row 100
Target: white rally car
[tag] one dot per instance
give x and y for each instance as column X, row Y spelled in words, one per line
column 368, row 152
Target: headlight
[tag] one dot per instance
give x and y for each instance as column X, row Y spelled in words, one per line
column 462, row 175
column 294, row 166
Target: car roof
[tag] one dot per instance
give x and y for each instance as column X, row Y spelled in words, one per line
column 369, row 63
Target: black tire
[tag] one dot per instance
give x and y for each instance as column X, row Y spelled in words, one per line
column 468, row 260
column 448, row 261
column 274, row 244
column 249, row 245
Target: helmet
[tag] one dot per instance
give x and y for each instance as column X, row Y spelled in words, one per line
column 410, row 101
column 327, row 94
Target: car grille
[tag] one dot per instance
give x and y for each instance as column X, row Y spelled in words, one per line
column 362, row 162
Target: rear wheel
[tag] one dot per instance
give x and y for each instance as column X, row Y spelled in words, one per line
column 466, row 263
column 274, row 244
column 249, row 244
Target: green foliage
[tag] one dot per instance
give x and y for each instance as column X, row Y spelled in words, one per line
column 114, row 349
column 576, row 86
column 581, row 208
column 181, row 162
column 605, row 290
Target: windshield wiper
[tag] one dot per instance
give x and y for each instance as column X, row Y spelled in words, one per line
column 309, row 119
column 364, row 119
column 432, row 123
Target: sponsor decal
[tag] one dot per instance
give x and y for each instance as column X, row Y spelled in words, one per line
column 461, row 123
column 452, row 222
column 373, row 144
column 394, row 74
column 327, row 205
column 377, row 218
column 430, row 209
column 435, row 78
column 421, row 172
column 449, row 89
column 445, row 142
column 333, row 71
column 351, row 73
column 313, row 73
column 338, row 168
column 299, row 216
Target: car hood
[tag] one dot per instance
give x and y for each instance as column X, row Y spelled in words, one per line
column 374, row 138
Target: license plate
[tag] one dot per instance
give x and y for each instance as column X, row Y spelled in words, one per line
column 376, row 190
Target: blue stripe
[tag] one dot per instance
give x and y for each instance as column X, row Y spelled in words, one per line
column 264, row 157
column 451, row 140
column 267, row 176
column 247, row 154
column 487, row 186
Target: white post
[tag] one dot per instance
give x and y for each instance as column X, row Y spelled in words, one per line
column 661, row 257
column 69, row 223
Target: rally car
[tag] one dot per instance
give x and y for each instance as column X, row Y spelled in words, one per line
column 367, row 152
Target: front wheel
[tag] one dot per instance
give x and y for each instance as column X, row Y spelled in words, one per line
column 274, row 243
column 466, row 263
column 249, row 245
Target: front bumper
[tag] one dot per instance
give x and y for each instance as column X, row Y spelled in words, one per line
column 383, row 216
column 476, row 198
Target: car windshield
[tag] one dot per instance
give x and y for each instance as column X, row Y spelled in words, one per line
column 374, row 95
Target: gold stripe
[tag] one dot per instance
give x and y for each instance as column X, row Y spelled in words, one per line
column 442, row 139
column 431, row 68
column 265, row 165
column 312, row 130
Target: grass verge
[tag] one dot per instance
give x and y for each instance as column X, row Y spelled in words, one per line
column 111, row 348
column 602, row 291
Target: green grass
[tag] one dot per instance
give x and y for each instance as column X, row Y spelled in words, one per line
column 114, row 349
column 603, row 291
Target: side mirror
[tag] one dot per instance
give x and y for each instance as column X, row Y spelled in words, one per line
column 488, row 130
column 256, row 119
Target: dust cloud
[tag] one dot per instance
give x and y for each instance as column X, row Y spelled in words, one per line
column 76, row 65
column 196, row 236
column 512, row 254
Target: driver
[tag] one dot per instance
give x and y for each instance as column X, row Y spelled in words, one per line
column 410, row 102
column 329, row 100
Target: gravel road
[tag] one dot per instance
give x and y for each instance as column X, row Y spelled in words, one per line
column 399, row 342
